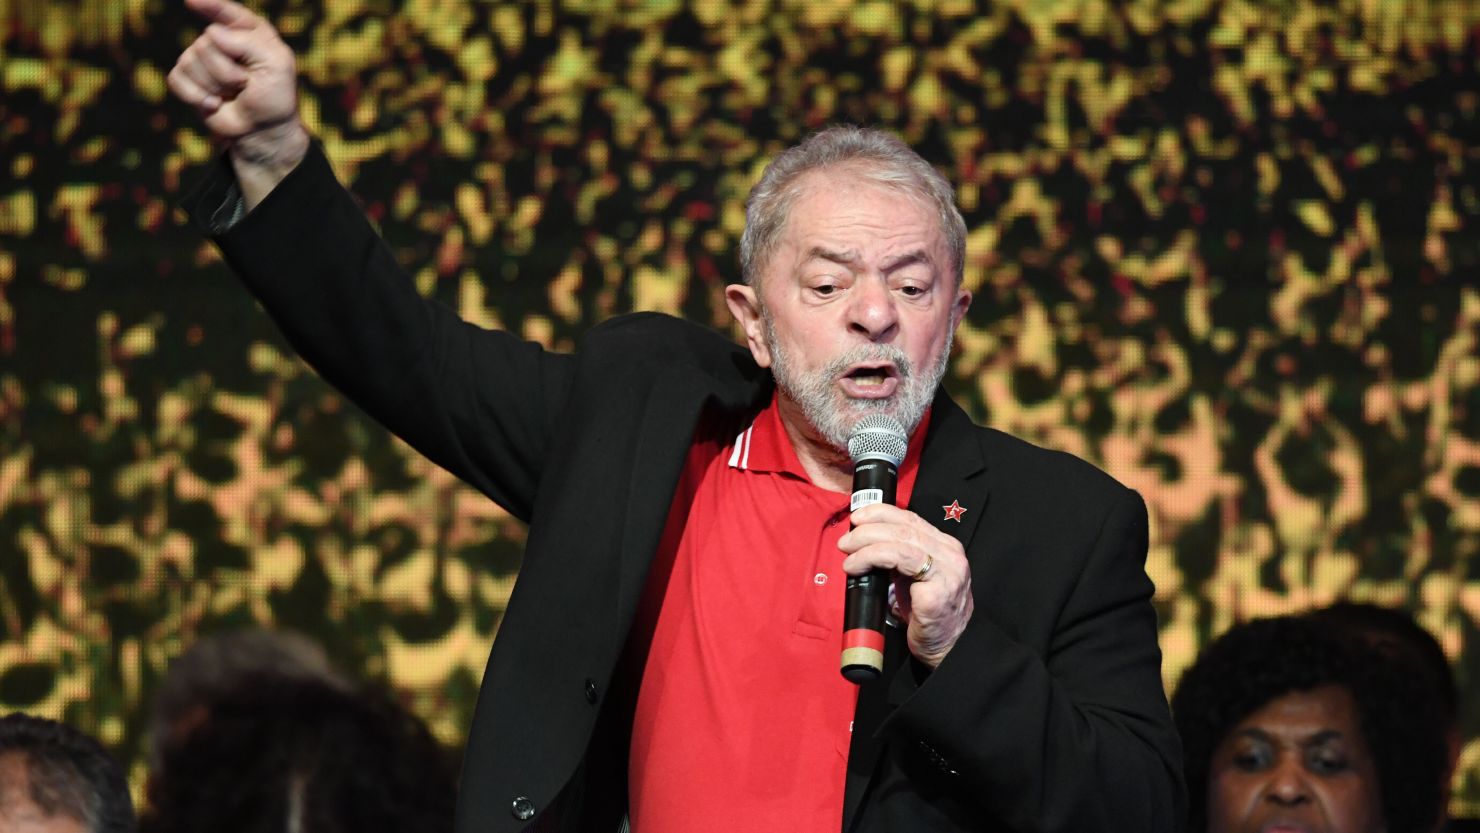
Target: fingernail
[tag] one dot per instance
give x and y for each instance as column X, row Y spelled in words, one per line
column 211, row 102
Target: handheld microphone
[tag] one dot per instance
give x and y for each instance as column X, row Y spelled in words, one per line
column 877, row 446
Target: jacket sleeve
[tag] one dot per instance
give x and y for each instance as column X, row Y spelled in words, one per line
column 1075, row 738
column 479, row 403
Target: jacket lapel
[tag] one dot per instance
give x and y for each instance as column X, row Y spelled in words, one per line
column 950, row 468
column 674, row 409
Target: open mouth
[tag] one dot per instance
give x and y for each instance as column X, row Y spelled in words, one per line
column 871, row 381
column 870, row 376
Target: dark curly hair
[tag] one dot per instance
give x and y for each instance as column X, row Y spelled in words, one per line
column 68, row 773
column 1259, row 661
column 283, row 753
column 1393, row 633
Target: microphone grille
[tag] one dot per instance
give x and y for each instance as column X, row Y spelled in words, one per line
column 878, row 435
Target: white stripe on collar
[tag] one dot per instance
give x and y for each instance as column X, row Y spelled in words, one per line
column 740, row 457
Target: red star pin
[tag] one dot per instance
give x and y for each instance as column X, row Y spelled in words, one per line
column 954, row 512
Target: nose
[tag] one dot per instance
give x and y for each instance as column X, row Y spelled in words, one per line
column 1288, row 784
column 871, row 309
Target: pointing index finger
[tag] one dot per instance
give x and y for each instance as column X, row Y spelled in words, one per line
column 224, row 12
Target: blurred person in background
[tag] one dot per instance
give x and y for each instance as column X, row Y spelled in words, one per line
column 1413, row 650
column 217, row 665
column 55, row 779
column 286, row 754
column 1289, row 726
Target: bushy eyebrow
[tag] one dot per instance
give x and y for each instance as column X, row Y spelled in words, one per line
column 849, row 256
column 844, row 256
column 909, row 259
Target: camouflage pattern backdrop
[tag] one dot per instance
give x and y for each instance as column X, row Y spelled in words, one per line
column 1224, row 249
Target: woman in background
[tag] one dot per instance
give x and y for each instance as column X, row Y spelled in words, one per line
column 1289, row 727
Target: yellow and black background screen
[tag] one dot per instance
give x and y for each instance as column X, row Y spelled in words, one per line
column 1226, row 250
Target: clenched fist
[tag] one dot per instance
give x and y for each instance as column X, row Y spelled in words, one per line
column 240, row 76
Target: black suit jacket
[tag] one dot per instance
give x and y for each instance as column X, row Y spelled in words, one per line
column 1047, row 715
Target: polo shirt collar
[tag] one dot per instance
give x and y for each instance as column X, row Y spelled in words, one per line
column 765, row 447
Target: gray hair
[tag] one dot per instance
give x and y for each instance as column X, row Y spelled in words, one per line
column 873, row 156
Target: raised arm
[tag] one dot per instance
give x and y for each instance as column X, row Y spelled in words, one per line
column 480, row 403
column 242, row 79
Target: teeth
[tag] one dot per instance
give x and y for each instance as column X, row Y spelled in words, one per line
column 869, row 381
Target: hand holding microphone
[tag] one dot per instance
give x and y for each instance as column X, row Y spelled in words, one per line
column 876, row 446
column 887, row 543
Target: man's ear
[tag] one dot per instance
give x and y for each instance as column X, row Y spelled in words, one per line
column 960, row 306
column 745, row 306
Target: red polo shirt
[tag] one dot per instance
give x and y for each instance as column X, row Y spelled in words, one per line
column 743, row 720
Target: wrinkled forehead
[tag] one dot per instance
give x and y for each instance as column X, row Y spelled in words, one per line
column 843, row 193
column 847, row 192
column 861, row 175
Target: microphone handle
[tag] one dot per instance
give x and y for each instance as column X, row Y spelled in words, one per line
column 874, row 481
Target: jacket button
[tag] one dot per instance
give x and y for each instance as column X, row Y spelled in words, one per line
column 591, row 691
column 522, row 808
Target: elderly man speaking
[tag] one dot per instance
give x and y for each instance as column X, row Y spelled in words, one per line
column 670, row 655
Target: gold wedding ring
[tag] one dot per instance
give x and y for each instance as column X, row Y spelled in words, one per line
column 925, row 570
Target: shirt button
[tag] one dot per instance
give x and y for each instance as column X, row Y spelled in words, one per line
column 522, row 808
column 820, row 579
column 591, row 692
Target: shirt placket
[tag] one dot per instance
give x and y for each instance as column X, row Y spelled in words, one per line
column 822, row 598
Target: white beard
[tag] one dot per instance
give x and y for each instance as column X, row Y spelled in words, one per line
column 831, row 413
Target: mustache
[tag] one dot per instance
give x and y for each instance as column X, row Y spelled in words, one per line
column 869, row 353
